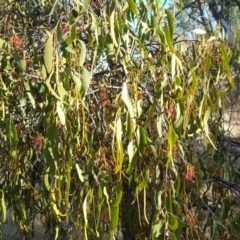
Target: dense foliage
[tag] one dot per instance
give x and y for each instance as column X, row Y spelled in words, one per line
column 100, row 107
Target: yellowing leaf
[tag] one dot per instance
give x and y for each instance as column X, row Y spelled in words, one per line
column 112, row 28
column 61, row 114
column 133, row 7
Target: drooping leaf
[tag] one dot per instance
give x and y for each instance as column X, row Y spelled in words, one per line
column 133, row 7
column 48, row 53
column 3, row 207
column 132, row 155
column 127, row 100
column 170, row 19
column 86, row 78
column 112, row 28
column 73, row 34
column 142, row 139
column 61, row 113
column 144, row 182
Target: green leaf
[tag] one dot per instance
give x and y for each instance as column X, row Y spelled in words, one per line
column 73, row 34
column 44, row 72
column 114, row 216
column 69, row 49
column 129, row 127
column 46, row 179
column 86, row 78
column 3, row 43
column 112, row 28
column 80, row 173
column 194, row 83
column 133, row 7
column 170, row 23
column 168, row 38
column 224, row 55
column 172, row 236
column 3, row 207
column 172, row 220
column 160, row 121
column 84, row 206
column 157, row 228
column 179, row 118
column 214, row 230
column 171, row 142
column 119, row 193
column 48, row 53
column 86, row 3
column 100, row 197
column 60, row 36
column 173, row 63
column 142, row 139
column 13, row 134
column 144, row 181
column 20, row 61
column 119, row 153
column 60, row 113
column 29, row 93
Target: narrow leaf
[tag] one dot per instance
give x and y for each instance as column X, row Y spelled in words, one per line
column 48, row 53
column 127, row 100
column 83, row 53
column 112, row 28
column 86, row 78
column 142, row 139
column 133, row 7
column 61, row 114
column 170, row 23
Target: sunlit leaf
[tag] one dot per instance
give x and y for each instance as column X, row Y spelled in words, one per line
column 84, row 206
column 172, row 138
column 60, row 113
column 168, row 37
column 80, row 173
column 86, row 78
column 132, row 151
column 144, row 182
column 127, row 100
column 48, row 53
column 112, row 27
column 199, row 31
column 3, row 207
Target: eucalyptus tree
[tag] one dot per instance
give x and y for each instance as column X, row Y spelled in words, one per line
column 100, row 105
column 208, row 14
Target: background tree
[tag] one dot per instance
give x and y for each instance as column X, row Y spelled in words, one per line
column 209, row 13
